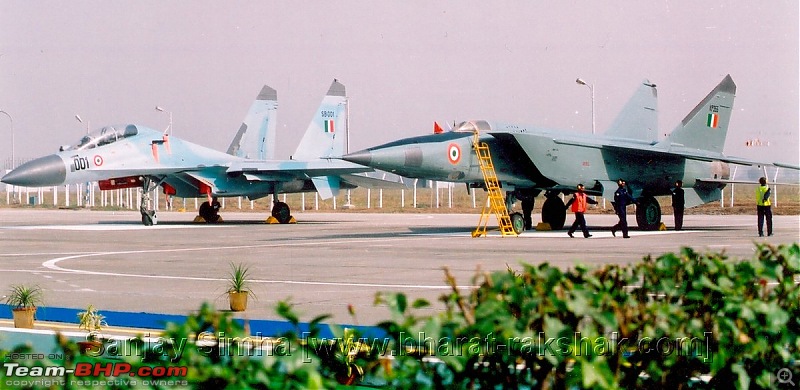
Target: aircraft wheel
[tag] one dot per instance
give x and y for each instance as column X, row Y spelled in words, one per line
column 281, row 212
column 517, row 222
column 648, row 213
column 149, row 218
column 554, row 212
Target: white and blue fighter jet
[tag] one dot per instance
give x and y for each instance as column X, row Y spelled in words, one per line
column 132, row 155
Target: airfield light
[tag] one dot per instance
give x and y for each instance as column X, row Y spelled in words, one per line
column 591, row 90
column 169, row 128
column 12, row 136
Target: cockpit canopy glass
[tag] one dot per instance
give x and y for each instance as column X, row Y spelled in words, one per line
column 473, row 126
column 105, row 136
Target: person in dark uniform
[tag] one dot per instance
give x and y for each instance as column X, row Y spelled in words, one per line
column 621, row 201
column 210, row 212
column 678, row 204
column 763, row 207
column 527, row 209
column 578, row 202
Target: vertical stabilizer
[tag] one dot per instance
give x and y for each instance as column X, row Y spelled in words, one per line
column 639, row 118
column 325, row 136
column 706, row 126
column 256, row 136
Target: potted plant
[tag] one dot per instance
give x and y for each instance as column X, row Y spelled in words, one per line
column 239, row 287
column 23, row 300
column 93, row 322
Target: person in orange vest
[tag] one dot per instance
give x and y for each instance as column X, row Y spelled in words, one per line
column 578, row 202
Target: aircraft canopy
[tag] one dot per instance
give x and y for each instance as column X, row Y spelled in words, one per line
column 105, row 136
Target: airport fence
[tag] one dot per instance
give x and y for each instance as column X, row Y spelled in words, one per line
column 442, row 198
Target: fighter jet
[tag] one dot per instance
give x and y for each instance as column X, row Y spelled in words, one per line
column 133, row 155
column 530, row 159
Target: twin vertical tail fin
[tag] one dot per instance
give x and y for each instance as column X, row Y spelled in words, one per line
column 256, row 136
column 639, row 118
column 706, row 126
column 325, row 136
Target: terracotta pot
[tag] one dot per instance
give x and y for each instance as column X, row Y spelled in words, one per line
column 238, row 301
column 23, row 317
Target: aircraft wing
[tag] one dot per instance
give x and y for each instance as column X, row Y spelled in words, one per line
column 289, row 170
column 673, row 150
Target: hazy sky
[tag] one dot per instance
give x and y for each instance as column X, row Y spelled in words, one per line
column 405, row 64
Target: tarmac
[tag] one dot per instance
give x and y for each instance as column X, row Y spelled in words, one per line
column 322, row 264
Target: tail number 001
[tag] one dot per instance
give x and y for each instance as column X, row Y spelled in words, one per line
column 80, row 163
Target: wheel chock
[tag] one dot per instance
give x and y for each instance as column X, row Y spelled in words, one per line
column 199, row 219
column 662, row 227
column 272, row 220
column 292, row 220
column 543, row 227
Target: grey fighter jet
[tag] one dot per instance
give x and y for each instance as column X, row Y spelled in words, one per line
column 530, row 159
column 132, row 155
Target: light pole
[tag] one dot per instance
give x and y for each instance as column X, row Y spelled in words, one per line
column 12, row 137
column 591, row 90
column 78, row 118
column 169, row 128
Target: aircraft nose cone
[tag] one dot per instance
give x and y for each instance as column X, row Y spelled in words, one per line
column 45, row 171
column 363, row 157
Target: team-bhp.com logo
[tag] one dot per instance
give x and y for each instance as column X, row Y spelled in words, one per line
column 90, row 374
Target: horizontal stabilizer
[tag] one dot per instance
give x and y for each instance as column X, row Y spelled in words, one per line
column 371, row 182
column 295, row 169
column 327, row 186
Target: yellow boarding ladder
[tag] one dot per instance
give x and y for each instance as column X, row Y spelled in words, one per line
column 497, row 205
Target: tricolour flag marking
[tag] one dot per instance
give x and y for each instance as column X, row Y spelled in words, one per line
column 712, row 121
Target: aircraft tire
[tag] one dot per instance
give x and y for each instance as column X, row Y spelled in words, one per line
column 281, row 212
column 149, row 218
column 554, row 212
column 517, row 222
column 648, row 213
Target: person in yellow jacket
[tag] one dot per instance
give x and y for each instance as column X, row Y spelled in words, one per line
column 764, row 207
column 578, row 202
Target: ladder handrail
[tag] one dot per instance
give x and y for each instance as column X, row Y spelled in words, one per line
column 496, row 202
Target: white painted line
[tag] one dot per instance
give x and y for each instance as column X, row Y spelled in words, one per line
column 52, row 264
column 107, row 227
column 552, row 234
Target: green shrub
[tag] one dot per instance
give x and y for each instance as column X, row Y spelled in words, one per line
column 688, row 320
column 685, row 320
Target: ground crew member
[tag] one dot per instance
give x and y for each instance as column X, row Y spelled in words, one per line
column 210, row 212
column 621, row 201
column 764, row 207
column 578, row 202
column 678, row 204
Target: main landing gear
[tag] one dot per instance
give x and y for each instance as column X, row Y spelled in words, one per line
column 648, row 213
column 553, row 211
column 281, row 211
column 149, row 217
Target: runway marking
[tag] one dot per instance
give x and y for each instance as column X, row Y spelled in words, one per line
column 52, row 264
column 557, row 234
column 105, row 227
